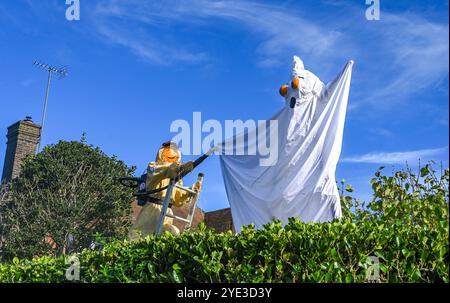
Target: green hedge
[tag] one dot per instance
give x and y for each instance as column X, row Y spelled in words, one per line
column 300, row 252
column 405, row 226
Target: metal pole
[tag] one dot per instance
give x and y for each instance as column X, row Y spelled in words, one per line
column 194, row 206
column 165, row 206
column 45, row 108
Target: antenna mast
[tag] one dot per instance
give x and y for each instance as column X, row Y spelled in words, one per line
column 61, row 72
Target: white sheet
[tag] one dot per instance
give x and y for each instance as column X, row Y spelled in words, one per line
column 301, row 181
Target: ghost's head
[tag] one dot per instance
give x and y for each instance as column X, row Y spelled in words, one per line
column 290, row 91
column 297, row 67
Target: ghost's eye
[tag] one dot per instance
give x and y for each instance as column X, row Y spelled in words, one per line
column 283, row 90
column 295, row 83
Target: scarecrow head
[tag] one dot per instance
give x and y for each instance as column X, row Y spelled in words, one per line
column 169, row 153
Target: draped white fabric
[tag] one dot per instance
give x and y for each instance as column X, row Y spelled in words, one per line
column 300, row 181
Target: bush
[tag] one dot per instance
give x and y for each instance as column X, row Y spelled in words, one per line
column 411, row 245
column 62, row 198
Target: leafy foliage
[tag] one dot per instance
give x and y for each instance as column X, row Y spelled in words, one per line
column 405, row 227
column 61, row 199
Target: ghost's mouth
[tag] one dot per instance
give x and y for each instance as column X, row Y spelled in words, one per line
column 293, row 101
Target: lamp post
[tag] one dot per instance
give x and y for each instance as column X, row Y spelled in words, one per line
column 62, row 72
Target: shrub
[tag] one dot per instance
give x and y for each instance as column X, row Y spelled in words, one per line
column 61, row 199
column 410, row 246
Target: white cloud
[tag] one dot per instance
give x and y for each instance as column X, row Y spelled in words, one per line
column 27, row 82
column 399, row 56
column 281, row 30
column 412, row 56
column 396, row 157
column 147, row 48
column 382, row 132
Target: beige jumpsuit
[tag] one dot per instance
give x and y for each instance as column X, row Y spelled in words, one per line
column 158, row 175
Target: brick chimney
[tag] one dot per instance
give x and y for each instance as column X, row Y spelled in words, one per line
column 23, row 137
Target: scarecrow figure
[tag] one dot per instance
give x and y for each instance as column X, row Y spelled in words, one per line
column 167, row 166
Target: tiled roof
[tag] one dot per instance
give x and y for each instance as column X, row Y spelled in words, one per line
column 220, row 220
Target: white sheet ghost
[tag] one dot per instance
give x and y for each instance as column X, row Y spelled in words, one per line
column 309, row 84
column 301, row 183
column 303, row 97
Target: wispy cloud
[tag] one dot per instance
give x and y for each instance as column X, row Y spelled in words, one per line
column 27, row 82
column 271, row 22
column 409, row 54
column 414, row 56
column 382, row 132
column 396, row 157
column 147, row 48
column 140, row 26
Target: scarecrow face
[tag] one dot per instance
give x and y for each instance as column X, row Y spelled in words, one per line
column 170, row 155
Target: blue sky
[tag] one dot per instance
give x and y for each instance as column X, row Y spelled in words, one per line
column 136, row 66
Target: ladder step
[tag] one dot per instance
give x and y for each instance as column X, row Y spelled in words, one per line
column 178, row 218
column 186, row 189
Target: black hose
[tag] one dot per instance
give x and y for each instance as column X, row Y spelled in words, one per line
column 196, row 163
column 153, row 191
column 135, row 181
